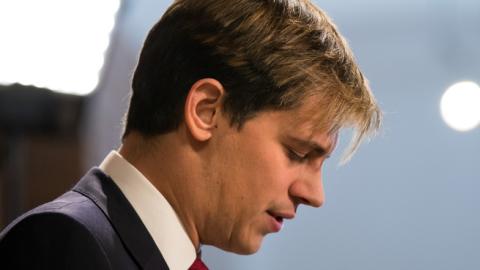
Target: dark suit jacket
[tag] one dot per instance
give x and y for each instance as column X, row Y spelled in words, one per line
column 92, row 226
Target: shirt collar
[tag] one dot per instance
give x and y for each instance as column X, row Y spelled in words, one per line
column 153, row 209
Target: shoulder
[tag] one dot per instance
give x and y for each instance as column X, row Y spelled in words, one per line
column 65, row 233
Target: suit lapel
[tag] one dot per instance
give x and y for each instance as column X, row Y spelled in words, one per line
column 107, row 196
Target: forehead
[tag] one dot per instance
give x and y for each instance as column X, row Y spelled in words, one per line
column 305, row 123
column 311, row 115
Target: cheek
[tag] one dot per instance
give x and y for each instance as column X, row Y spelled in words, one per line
column 269, row 172
column 255, row 172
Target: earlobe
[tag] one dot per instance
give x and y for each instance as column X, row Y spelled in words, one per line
column 202, row 106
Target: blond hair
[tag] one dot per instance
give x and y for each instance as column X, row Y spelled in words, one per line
column 270, row 55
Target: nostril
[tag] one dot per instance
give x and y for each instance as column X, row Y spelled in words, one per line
column 304, row 201
column 313, row 202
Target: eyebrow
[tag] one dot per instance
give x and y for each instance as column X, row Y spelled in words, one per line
column 315, row 147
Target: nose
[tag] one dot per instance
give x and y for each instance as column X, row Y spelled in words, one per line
column 308, row 190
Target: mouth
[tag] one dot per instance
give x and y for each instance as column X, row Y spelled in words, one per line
column 276, row 220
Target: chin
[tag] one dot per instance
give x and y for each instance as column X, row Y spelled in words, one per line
column 246, row 251
column 239, row 243
column 245, row 247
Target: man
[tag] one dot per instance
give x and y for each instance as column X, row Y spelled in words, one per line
column 235, row 107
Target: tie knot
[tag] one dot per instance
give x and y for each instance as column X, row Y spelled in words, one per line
column 198, row 265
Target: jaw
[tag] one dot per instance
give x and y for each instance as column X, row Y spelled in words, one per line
column 239, row 239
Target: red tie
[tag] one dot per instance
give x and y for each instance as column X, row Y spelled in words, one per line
column 198, row 265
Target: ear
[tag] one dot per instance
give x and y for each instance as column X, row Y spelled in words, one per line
column 202, row 108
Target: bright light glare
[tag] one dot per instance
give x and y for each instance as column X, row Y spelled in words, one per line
column 460, row 106
column 55, row 44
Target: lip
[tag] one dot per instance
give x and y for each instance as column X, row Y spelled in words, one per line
column 276, row 219
column 276, row 223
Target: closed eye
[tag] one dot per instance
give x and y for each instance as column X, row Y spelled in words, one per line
column 296, row 157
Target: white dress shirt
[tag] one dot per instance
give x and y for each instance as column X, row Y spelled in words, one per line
column 154, row 210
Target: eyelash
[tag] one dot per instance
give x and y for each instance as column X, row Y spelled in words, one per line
column 293, row 156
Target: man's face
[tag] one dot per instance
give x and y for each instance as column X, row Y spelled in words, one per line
column 258, row 176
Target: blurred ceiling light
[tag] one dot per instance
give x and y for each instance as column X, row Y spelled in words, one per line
column 55, row 44
column 460, row 106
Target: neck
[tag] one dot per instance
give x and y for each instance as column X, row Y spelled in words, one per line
column 163, row 161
